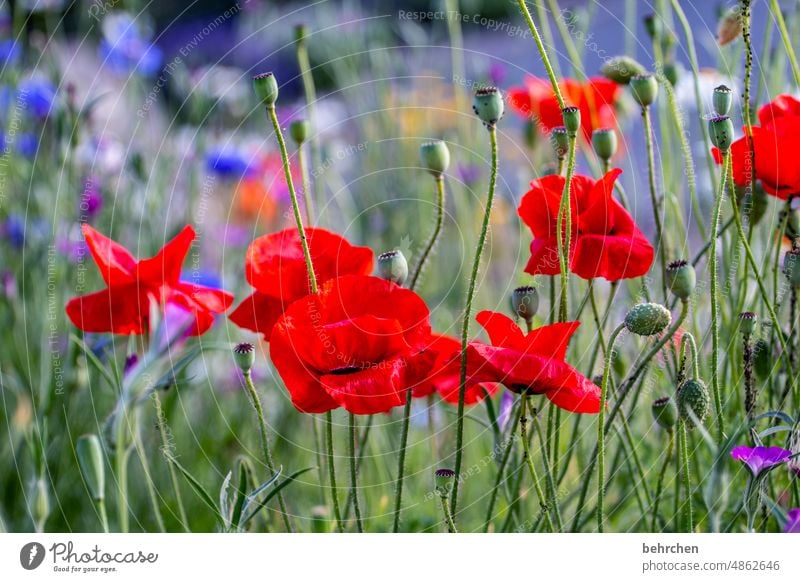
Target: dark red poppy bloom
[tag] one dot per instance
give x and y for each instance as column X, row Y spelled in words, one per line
column 124, row 306
column 353, row 344
column 596, row 98
column 774, row 144
column 444, row 379
column 275, row 266
column 605, row 241
column 532, row 362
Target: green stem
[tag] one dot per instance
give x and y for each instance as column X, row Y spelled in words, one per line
column 661, row 475
column 161, row 422
column 462, row 388
column 601, row 433
column 542, row 52
column 501, row 469
column 688, row 339
column 548, row 475
column 448, row 517
column 311, row 100
column 337, row 514
column 787, row 41
column 401, row 461
column 121, row 457
column 434, row 236
column 564, row 229
column 101, row 509
column 303, row 163
column 684, row 447
column 526, row 453
column 651, row 173
column 354, row 471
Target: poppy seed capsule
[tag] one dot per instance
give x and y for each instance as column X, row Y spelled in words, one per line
column 90, row 461
column 393, row 267
column 693, row 399
column 681, row 279
column 722, row 100
column 671, row 73
column 435, row 157
column 443, row 481
column 266, row 87
column 299, row 131
column 644, row 89
column 791, row 267
column 652, row 25
column 604, row 142
column 665, row 412
column 488, row 105
column 572, row 119
column 720, row 129
column 245, row 356
column 647, row 319
column 560, row 140
column 747, row 322
column 525, row 302
column 621, row 69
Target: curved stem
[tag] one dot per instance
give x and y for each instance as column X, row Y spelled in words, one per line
column 542, row 52
column 601, row 433
column 354, row 471
column 688, row 339
column 501, row 469
column 548, row 476
column 434, row 236
column 332, row 471
column 462, row 388
column 448, row 518
column 661, row 475
column 526, row 453
column 651, row 173
column 161, row 422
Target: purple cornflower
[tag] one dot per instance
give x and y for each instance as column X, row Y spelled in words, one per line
column 469, row 174
column 793, row 525
column 760, row 459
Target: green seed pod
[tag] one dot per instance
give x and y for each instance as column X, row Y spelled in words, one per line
column 443, row 481
column 648, row 319
column 671, row 73
column 730, row 26
column 266, row 87
column 723, row 99
column 747, row 322
column 653, row 26
column 435, row 157
column 572, row 120
column 791, row 267
column 665, row 412
column 245, row 356
column 560, row 141
column 488, row 105
column 621, row 69
column 90, row 461
column 524, row 302
column 693, row 396
column 644, row 89
column 299, row 131
column 604, row 142
column 720, row 129
column 300, row 32
column 393, row 267
column 762, row 359
column 681, row 279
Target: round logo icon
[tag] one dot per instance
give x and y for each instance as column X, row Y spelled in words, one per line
column 31, row 555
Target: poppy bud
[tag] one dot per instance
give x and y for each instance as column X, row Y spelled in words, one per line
column 604, row 142
column 644, row 89
column 299, row 131
column 681, row 278
column 300, row 32
column 525, row 302
column 747, row 322
column 653, row 26
column 488, row 105
column 791, row 267
column 621, row 69
column 435, row 157
column 693, row 397
column 245, row 356
column 723, row 99
column 762, row 359
column 443, row 481
column 720, row 129
column 729, row 27
column 393, row 267
column 531, row 134
column 647, row 319
column 560, row 139
column 90, row 461
column 665, row 412
column 572, row 119
column 671, row 73
column 266, row 88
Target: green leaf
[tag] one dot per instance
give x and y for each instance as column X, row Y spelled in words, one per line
column 94, row 360
column 198, row 488
column 291, row 478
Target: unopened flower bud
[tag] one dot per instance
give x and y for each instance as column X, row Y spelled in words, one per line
column 525, row 302
column 693, row 400
column 90, row 461
column 604, row 142
column 488, row 105
column 41, row 503
column 572, row 119
column 560, row 141
column 730, row 26
column 300, row 32
column 266, row 87
column 435, row 157
column 791, row 267
column 681, row 278
column 747, row 322
column 648, row 319
column 671, row 73
column 622, row 69
column 299, row 131
column 393, row 267
column 653, row 26
column 644, row 89
column 665, row 412
column 245, row 356
column 720, row 129
column 722, row 100
column 443, row 481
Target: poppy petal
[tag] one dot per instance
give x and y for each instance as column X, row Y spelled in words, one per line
column 165, row 266
column 369, row 391
column 258, row 313
column 115, row 262
column 122, row 310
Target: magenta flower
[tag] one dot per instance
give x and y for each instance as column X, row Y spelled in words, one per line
column 759, row 459
column 793, row 525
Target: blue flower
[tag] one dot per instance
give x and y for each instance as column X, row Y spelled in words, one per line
column 13, row 230
column 28, row 145
column 227, row 164
column 10, row 53
column 38, row 96
column 126, row 46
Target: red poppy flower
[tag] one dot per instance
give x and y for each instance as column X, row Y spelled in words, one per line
column 605, row 241
column 774, row 144
column 532, row 362
column 439, row 376
column 595, row 98
column 275, row 266
column 124, row 306
column 352, row 344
